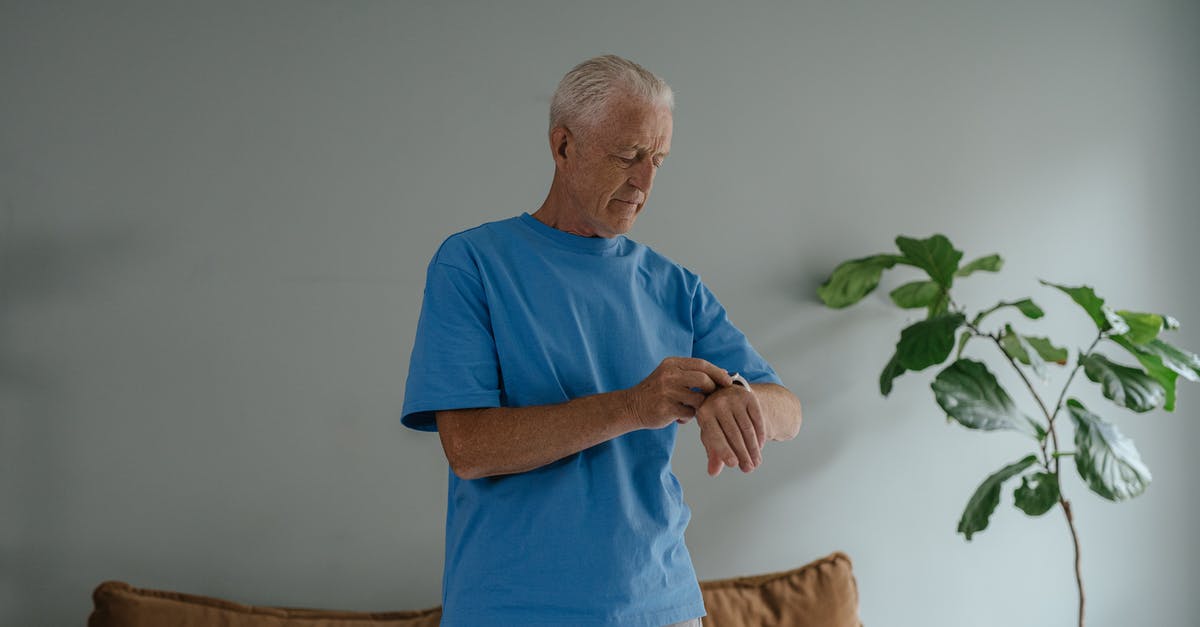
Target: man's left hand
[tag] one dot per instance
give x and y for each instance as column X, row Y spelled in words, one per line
column 732, row 429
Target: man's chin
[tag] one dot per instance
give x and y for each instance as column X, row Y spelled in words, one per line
column 616, row 219
column 623, row 225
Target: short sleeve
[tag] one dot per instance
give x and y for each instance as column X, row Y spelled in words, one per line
column 716, row 340
column 454, row 363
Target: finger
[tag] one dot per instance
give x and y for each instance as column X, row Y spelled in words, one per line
column 696, row 380
column 691, row 399
column 715, row 465
column 714, row 441
column 756, row 416
column 716, row 373
column 735, row 441
column 749, row 435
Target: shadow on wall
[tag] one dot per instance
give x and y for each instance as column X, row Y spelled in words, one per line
column 805, row 341
column 37, row 556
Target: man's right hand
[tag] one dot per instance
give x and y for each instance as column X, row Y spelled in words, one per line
column 669, row 394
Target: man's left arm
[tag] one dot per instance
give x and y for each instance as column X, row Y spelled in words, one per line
column 735, row 423
column 780, row 411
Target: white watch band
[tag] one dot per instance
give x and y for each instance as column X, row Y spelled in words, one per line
column 740, row 380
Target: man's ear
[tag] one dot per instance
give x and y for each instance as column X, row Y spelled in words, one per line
column 561, row 143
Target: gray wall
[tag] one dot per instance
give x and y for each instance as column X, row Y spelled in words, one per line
column 215, row 220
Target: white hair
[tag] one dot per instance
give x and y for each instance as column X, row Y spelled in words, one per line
column 584, row 92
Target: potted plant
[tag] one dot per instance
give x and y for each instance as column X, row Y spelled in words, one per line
column 969, row 393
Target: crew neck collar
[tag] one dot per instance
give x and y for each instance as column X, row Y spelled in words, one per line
column 592, row 245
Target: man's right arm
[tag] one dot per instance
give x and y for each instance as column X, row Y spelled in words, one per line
column 506, row 440
column 493, row 441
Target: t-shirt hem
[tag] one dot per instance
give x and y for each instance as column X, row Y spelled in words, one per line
column 656, row 619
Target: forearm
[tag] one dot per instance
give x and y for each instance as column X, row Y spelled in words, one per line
column 781, row 411
column 506, row 440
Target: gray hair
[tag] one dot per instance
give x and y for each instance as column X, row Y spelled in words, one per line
column 584, row 92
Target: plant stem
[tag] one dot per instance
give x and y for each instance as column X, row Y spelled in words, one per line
column 1057, row 455
column 1066, row 505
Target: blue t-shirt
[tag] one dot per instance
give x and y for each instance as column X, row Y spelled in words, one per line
column 517, row 313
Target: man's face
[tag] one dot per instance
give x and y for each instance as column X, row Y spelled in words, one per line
column 610, row 176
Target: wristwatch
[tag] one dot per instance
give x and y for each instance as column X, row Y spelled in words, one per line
column 740, row 380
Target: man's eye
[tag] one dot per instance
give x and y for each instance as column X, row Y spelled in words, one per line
column 627, row 160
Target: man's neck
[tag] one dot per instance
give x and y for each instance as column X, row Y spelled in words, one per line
column 556, row 212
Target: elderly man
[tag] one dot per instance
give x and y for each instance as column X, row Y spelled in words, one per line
column 556, row 357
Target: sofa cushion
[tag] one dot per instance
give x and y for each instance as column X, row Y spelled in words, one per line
column 118, row 604
column 820, row 594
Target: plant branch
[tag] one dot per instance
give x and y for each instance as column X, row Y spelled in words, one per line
column 1063, row 394
column 1036, row 397
column 1078, row 363
column 1046, row 457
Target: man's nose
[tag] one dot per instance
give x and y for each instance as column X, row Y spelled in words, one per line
column 641, row 175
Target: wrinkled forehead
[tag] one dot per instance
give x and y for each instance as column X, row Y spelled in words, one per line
column 636, row 124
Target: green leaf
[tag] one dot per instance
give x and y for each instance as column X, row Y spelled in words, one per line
column 1020, row 349
column 1106, row 460
column 916, row 294
column 1165, row 377
column 892, row 370
column 1026, row 348
column 990, row 263
column 1165, row 363
column 1037, row 494
column 1123, row 385
column 1143, row 327
column 962, row 343
column 854, row 279
column 969, row 393
column 1025, row 306
column 935, row 255
column 1105, row 318
column 1184, row 362
column 928, row 342
column 979, row 509
column 939, row 306
column 1154, row 367
column 1116, row 324
column 1048, row 351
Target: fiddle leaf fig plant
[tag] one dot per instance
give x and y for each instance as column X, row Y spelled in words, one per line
column 968, row 392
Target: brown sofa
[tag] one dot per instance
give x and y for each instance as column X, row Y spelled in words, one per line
column 820, row 594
